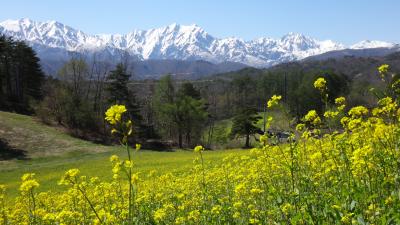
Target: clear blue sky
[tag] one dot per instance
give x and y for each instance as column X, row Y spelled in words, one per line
column 346, row 21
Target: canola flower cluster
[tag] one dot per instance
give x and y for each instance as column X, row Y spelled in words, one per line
column 274, row 101
column 348, row 176
column 383, row 70
column 114, row 114
column 320, row 84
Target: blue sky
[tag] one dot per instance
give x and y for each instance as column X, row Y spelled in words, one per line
column 346, row 21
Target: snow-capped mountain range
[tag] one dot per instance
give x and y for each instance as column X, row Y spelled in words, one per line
column 53, row 39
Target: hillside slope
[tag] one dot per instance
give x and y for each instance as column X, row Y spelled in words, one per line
column 22, row 137
column 355, row 68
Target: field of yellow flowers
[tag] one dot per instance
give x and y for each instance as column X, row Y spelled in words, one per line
column 323, row 175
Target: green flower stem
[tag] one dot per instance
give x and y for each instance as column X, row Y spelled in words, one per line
column 87, row 199
column 130, row 184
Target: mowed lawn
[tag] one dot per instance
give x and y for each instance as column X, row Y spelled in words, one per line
column 49, row 152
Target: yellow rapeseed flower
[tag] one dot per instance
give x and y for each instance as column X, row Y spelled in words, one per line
column 216, row 209
column 312, row 117
column 358, row 111
column 331, row 114
column 160, row 214
column 28, row 185
column 180, row 220
column 286, row 208
column 2, row 190
column 340, row 101
column 27, row 176
column 300, row 127
column 69, row 176
column 256, row 191
column 389, row 200
column 383, row 69
column 274, row 101
column 194, row 215
column 135, row 178
column 114, row 158
column 198, row 148
column 114, row 114
column 320, row 84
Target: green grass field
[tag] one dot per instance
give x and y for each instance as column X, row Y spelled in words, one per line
column 49, row 152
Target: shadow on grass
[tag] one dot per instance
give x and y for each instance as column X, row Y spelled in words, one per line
column 8, row 152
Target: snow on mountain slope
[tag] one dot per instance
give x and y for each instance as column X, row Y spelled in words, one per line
column 372, row 44
column 171, row 42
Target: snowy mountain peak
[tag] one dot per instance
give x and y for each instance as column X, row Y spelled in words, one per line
column 173, row 25
column 372, row 44
column 294, row 36
column 181, row 42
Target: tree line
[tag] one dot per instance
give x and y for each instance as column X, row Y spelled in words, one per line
column 166, row 112
column 176, row 112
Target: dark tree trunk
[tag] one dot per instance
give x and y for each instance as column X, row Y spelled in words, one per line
column 180, row 139
column 188, row 139
column 210, row 133
column 247, row 145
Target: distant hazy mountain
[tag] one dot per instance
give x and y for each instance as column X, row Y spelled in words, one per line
column 359, row 52
column 180, row 69
column 360, row 69
column 55, row 41
column 154, row 69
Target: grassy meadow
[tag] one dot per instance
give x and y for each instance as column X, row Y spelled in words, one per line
column 49, row 152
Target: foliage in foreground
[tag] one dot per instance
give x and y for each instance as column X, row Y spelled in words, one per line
column 346, row 177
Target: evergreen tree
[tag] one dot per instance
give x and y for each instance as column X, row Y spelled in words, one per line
column 34, row 77
column 244, row 124
column 118, row 85
column 193, row 110
column 187, row 89
column 3, row 73
column 181, row 113
column 21, row 77
column 119, row 93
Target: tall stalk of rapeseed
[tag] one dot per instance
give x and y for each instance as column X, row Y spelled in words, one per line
column 123, row 129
